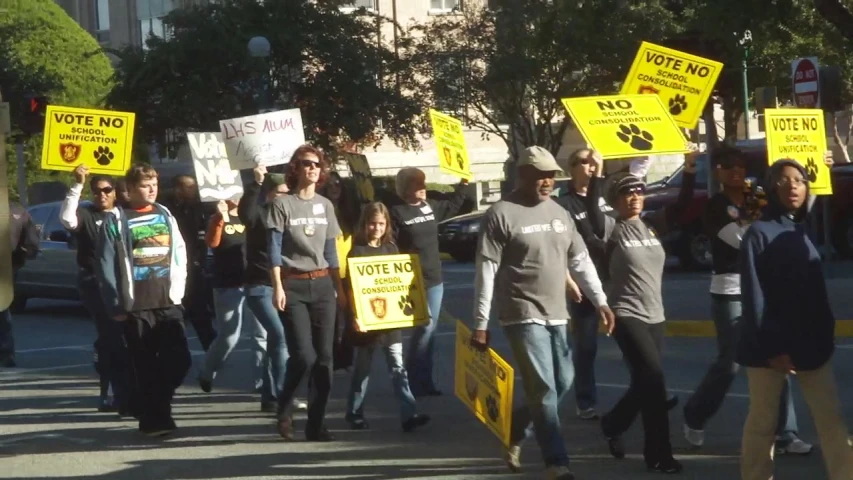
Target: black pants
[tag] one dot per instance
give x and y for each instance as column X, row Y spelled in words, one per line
column 309, row 329
column 160, row 358
column 113, row 361
column 196, row 302
column 641, row 344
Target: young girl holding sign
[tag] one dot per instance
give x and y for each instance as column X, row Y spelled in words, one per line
column 372, row 238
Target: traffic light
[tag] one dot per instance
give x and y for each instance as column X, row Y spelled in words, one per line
column 32, row 114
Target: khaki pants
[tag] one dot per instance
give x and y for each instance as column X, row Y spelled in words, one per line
column 759, row 433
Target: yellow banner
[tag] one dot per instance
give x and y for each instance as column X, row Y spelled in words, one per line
column 450, row 144
column 799, row 134
column 683, row 81
column 388, row 291
column 359, row 169
column 623, row 126
column 484, row 382
column 100, row 139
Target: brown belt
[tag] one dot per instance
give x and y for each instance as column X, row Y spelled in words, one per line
column 296, row 274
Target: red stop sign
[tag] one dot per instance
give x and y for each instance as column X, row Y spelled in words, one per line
column 805, row 84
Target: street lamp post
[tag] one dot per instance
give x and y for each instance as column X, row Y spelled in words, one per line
column 745, row 42
column 259, row 47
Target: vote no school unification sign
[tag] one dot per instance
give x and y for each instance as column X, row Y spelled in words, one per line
column 100, row 139
column 623, row 126
column 799, row 134
column 683, row 81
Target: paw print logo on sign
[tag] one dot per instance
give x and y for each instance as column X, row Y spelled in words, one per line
column 811, row 169
column 104, row 156
column 492, row 408
column 638, row 139
column 405, row 305
column 677, row 104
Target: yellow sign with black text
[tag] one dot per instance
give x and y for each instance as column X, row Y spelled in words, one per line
column 100, row 139
column 799, row 134
column 388, row 291
column 623, row 126
column 450, row 144
column 484, row 382
column 683, row 81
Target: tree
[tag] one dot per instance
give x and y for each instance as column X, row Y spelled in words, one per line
column 837, row 12
column 505, row 68
column 329, row 64
column 46, row 53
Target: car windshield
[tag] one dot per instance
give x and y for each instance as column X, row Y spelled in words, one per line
column 756, row 167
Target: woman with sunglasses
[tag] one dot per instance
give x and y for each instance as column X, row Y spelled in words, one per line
column 634, row 263
column 307, row 288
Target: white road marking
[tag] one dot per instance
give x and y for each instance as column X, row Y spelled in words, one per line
column 35, row 436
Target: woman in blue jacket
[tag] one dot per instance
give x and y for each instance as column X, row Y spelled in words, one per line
column 787, row 328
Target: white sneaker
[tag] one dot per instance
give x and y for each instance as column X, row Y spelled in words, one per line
column 559, row 473
column 512, row 458
column 695, row 438
column 795, row 447
column 587, row 414
column 300, row 404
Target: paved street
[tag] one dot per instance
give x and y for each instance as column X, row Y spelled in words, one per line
column 49, row 427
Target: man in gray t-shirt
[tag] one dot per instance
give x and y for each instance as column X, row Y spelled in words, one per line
column 528, row 244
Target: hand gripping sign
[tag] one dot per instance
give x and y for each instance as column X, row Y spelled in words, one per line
column 388, row 291
column 100, row 139
column 450, row 143
column 799, row 134
column 484, row 382
column 683, row 81
column 624, row 126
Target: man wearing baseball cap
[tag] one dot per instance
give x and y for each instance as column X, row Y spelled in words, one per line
column 528, row 245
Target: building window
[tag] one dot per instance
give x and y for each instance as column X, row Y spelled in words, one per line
column 369, row 5
column 102, row 12
column 445, row 6
column 448, row 85
column 153, row 27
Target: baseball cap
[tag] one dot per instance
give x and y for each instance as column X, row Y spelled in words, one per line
column 538, row 158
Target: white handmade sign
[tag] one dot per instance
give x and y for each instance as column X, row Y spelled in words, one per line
column 265, row 139
column 216, row 180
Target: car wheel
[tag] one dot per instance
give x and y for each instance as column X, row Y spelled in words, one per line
column 696, row 251
column 19, row 304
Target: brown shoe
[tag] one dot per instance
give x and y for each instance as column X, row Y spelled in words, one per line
column 285, row 428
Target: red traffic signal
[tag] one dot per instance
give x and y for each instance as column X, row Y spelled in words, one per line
column 32, row 118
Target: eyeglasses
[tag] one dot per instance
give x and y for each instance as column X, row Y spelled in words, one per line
column 309, row 164
column 628, row 191
column 105, row 191
column 788, row 182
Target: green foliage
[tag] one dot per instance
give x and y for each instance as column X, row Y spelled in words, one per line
column 329, row 64
column 45, row 52
column 512, row 64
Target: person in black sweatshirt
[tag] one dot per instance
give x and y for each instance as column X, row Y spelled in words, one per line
column 415, row 222
column 787, row 328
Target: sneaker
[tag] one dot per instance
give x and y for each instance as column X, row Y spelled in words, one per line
column 669, row 465
column 323, row 435
column 616, row 447
column 795, row 447
column 559, row 473
column 414, row 422
column 107, row 405
column 696, row 438
column 300, row 404
column 285, row 428
column 587, row 413
column 512, row 458
column 157, row 429
column 206, row 385
column 358, row 423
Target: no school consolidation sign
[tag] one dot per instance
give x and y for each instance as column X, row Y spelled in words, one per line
column 624, row 126
column 388, row 291
column 100, row 139
column 683, row 81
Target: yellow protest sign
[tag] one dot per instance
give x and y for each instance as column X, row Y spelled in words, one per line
column 683, row 81
column 799, row 134
column 388, row 291
column 450, row 143
column 100, row 139
column 621, row 126
column 484, row 382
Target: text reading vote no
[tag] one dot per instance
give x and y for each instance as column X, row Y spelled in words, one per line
column 88, row 120
column 384, row 268
column 677, row 64
column 794, row 124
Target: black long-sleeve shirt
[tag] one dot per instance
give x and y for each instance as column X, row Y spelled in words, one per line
column 252, row 214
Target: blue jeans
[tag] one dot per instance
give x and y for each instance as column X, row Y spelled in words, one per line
column 228, row 306
column 399, row 379
column 726, row 311
column 259, row 301
column 419, row 362
column 544, row 362
column 584, row 328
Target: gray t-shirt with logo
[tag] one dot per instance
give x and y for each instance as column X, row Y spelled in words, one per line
column 305, row 225
column 636, row 260
column 532, row 246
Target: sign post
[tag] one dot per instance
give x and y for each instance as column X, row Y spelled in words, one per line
column 805, row 74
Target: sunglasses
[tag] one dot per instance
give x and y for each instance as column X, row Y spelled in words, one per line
column 309, row 164
column 628, row 191
column 105, row 191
